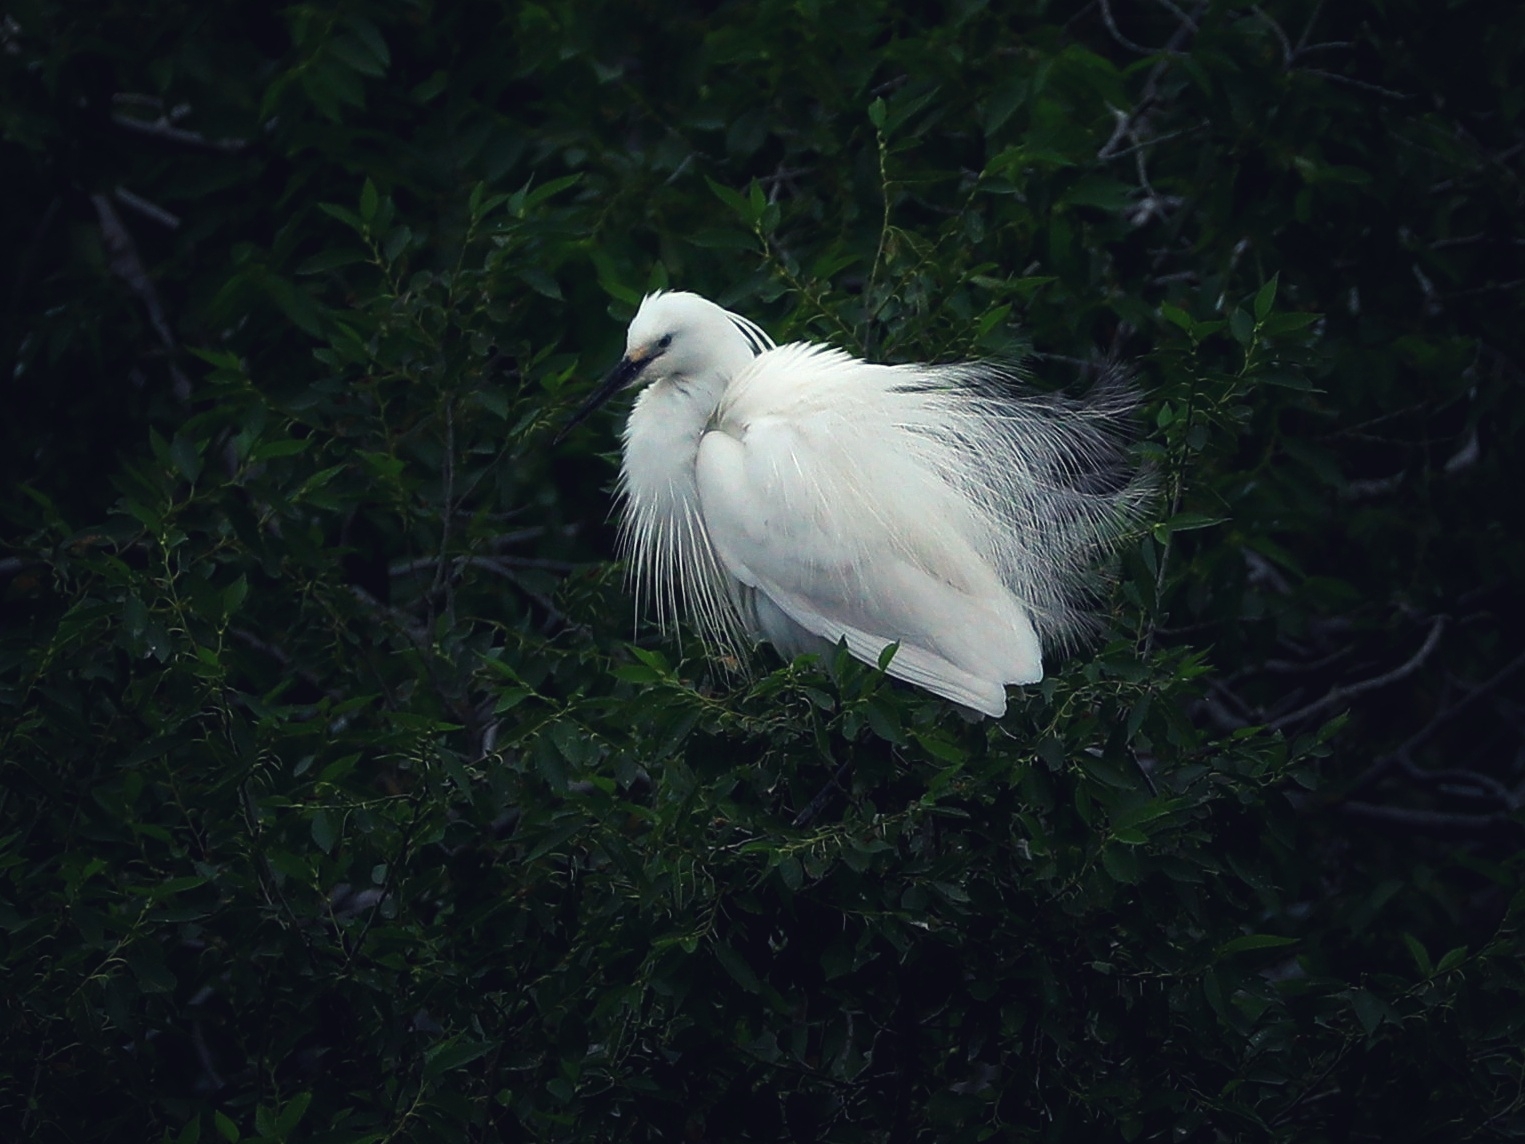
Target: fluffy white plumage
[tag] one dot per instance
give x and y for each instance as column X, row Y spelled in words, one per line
column 803, row 496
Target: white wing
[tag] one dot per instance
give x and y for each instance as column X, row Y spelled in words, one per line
column 831, row 509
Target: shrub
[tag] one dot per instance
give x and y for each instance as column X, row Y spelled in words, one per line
column 345, row 799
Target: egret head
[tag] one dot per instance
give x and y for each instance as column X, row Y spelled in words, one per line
column 680, row 338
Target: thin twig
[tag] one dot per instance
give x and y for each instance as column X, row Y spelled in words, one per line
column 823, row 796
column 1150, row 142
column 162, row 128
column 1413, row 818
column 884, row 234
column 442, row 583
column 1126, row 123
column 1377, row 89
column 502, row 565
column 1286, row 45
column 1302, row 40
column 1497, row 160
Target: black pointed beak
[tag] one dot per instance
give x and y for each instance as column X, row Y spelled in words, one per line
column 619, row 377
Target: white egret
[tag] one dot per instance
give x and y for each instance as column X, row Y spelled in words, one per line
column 802, row 496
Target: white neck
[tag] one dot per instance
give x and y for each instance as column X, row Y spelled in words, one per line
column 662, row 527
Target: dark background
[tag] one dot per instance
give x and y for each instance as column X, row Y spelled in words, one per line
column 341, row 797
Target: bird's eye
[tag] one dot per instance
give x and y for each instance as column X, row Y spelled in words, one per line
column 666, row 340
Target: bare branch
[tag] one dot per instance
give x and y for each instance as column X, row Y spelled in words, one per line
column 1463, row 240
column 1369, row 488
column 1150, row 142
column 817, row 804
column 1340, row 694
column 1262, row 571
column 1483, row 786
column 1465, row 457
column 1403, row 754
column 1220, row 716
column 1286, row 45
column 1176, row 11
column 162, row 128
column 1106, row 15
column 127, row 265
column 1489, row 288
column 1376, row 89
column 1498, row 160
column 1487, row 687
column 1303, row 667
column 147, row 208
column 1439, row 821
column 1327, row 46
column 1126, row 123
column 502, row 565
column 1302, row 41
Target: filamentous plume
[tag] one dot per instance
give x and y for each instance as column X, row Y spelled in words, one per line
column 799, row 495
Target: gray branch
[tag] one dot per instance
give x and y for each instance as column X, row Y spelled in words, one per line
column 1339, row 694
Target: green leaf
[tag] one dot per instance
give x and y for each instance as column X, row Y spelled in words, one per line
column 1265, row 298
column 1177, row 316
column 186, row 455
column 1420, row 955
column 286, row 447
column 369, row 201
column 992, row 318
column 264, row 1122
column 355, row 54
column 739, row 970
column 1288, row 323
column 370, row 35
column 1452, row 959
column 736, row 201
column 324, row 832
column 292, row 1113
column 327, row 260
column 1190, row 521
column 1122, row 863
column 453, row 1054
column 348, row 217
column 1371, row 1010
column 234, row 595
column 1253, row 941
column 547, row 190
column 134, row 616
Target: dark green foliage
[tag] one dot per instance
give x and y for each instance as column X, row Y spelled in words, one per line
column 338, row 804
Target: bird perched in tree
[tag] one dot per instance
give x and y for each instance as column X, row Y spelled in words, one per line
column 802, row 496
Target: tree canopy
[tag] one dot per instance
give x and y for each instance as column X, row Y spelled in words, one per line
column 345, row 797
